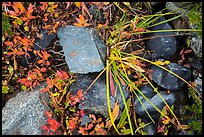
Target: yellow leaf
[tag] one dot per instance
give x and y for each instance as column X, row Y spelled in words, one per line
column 115, row 112
column 135, row 67
column 17, row 21
column 126, row 3
column 50, row 3
column 161, row 63
column 58, row 85
column 100, row 26
column 15, row 64
column 26, row 28
column 77, row 4
column 166, row 121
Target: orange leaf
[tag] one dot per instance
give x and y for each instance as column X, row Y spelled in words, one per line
column 115, row 112
column 20, row 6
column 43, row 69
column 45, row 55
column 47, row 63
column 8, row 43
column 15, row 7
column 38, row 72
column 40, row 61
column 80, row 94
column 16, row 38
column 48, row 114
column 49, row 82
column 23, row 80
column 47, row 26
column 19, row 53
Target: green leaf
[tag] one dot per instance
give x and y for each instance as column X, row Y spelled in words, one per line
column 23, row 87
column 126, row 131
column 10, row 69
column 123, row 116
column 72, row 109
column 5, row 89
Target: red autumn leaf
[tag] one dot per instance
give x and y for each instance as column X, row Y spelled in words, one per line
column 59, row 74
column 54, row 125
column 45, row 127
column 45, row 89
column 82, row 112
column 8, row 43
column 48, row 114
column 8, row 4
column 54, row 128
column 112, row 87
column 62, row 75
column 43, row 69
column 80, row 94
column 23, row 80
column 44, row 6
column 161, row 129
column 30, row 8
column 19, row 53
column 72, row 125
column 49, row 82
column 90, row 126
column 187, row 51
column 181, row 52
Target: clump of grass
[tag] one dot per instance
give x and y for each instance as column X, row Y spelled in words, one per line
column 119, row 62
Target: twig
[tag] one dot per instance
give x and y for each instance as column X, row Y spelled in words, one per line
column 55, row 52
column 27, row 37
column 61, row 64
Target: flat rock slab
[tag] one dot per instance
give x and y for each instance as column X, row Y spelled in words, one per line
column 168, row 80
column 95, row 99
column 148, row 91
column 162, row 46
column 83, row 50
column 24, row 113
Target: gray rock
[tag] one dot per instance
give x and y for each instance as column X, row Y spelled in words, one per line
column 85, row 120
column 155, row 99
column 168, row 80
column 196, row 46
column 95, row 99
column 181, row 8
column 24, row 113
column 45, row 41
column 83, row 50
column 177, row 7
column 149, row 129
column 163, row 46
column 198, row 81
